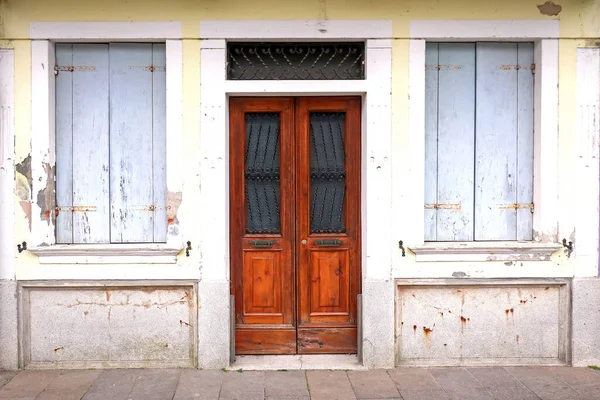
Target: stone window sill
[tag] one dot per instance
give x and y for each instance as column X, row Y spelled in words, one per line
column 150, row 253
column 484, row 251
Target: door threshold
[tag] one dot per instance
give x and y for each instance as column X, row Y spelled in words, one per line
column 297, row 362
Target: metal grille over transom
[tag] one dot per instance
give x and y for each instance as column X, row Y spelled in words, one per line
column 327, row 172
column 262, row 172
column 295, row 61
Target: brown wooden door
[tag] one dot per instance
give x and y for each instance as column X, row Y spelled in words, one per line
column 295, row 223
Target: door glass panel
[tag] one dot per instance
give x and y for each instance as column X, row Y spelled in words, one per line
column 327, row 172
column 261, row 162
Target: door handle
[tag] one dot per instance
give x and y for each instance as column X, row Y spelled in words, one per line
column 328, row 242
column 262, row 243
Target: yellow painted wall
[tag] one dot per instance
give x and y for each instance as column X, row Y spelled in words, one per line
column 579, row 27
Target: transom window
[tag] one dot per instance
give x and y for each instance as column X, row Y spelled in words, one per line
column 295, row 61
column 479, row 141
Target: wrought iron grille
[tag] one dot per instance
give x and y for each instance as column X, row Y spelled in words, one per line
column 327, row 172
column 261, row 172
column 299, row 61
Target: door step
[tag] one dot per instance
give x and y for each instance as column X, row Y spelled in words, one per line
column 297, row 362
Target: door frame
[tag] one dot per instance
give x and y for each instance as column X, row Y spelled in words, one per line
column 377, row 241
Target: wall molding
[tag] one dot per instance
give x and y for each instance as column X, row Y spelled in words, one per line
column 542, row 33
column 43, row 113
column 7, row 165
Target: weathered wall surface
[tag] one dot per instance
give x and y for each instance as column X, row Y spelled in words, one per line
column 586, row 321
column 478, row 323
column 578, row 26
column 83, row 338
column 101, row 327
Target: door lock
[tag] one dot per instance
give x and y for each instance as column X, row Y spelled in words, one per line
column 303, row 241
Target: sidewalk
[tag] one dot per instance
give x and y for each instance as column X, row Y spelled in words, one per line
column 511, row 383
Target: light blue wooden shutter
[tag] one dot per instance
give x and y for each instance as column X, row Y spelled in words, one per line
column 431, row 146
column 111, row 160
column 504, row 141
column 64, row 143
column 82, row 143
column 478, row 141
column 132, row 140
column 525, row 142
column 452, row 141
column 159, row 141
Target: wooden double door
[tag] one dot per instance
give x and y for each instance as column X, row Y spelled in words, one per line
column 295, row 223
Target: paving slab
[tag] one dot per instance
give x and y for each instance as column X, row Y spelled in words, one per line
column 28, row 384
column 329, row 385
column 69, row 385
column 454, row 378
column 199, row 384
column 6, row 376
column 289, row 385
column 113, row 384
column 588, row 392
column 155, row 384
column 512, row 393
column 495, row 378
column 467, row 393
column 556, row 393
column 576, row 376
column 424, row 394
column 533, row 377
column 243, row 385
column 413, row 379
column 374, row 384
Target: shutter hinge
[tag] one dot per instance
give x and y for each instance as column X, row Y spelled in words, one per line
column 55, row 70
column 533, row 69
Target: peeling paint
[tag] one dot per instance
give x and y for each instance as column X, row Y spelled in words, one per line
column 545, row 237
column 173, row 203
column 550, row 9
column 24, row 186
column 46, row 197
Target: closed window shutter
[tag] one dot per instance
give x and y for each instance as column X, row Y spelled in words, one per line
column 504, row 138
column 478, row 141
column 110, row 143
column 453, row 134
column 82, row 143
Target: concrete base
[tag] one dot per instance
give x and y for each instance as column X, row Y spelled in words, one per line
column 586, row 322
column 378, row 324
column 482, row 322
column 213, row 320
column 9, row 342
column 121, row 325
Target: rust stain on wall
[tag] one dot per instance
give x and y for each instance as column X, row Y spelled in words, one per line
column 550, row 9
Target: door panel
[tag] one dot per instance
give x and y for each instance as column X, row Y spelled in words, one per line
column 329, row 285
column 295, row 214
column 262, row 229
column 328, row 215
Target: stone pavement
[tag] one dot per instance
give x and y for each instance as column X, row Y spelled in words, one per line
column 510, row 383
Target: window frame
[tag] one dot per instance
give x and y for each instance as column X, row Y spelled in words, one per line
column 43, row 157
column 544, row 34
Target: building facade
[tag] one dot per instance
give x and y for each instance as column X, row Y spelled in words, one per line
column 416, row 183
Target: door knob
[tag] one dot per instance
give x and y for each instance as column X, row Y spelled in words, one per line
column 303, row 241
